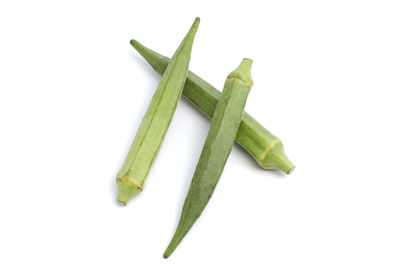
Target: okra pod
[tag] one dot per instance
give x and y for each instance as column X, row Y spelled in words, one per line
column 217, row 147
column 156, row 121
column 262, row 145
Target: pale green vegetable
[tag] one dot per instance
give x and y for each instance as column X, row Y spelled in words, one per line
column 217, row 147
column 148, row 139
column 262, row 145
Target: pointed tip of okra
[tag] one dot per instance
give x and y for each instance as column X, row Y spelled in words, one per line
column 169, row 251
column 243, row 72
column 126, row 190
column 194, row 27
column 196, row 22
column 139, row 47
column 135, row 43
column 193, row 30
column 174, row 243
column 277, row 159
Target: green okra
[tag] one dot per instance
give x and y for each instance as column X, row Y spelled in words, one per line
column 217, row 147
column 156, row 121
column 262, row 145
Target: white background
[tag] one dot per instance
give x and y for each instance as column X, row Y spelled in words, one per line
column 73, row 93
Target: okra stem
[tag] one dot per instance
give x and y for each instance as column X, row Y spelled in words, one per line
column 262, row 145
column 148, row 139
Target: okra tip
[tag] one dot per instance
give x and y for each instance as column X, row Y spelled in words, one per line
column 138, row 46
column 135, row 43
column 169, row 250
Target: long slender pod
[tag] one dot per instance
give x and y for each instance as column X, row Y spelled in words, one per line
column 217, row 147
column 262, row 145
column 148, row 139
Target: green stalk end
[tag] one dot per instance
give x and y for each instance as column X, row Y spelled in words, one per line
column 126, row 190
column 276, row 158
column 243, row 72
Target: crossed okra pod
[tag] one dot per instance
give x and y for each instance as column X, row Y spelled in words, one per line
column 229, row 122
